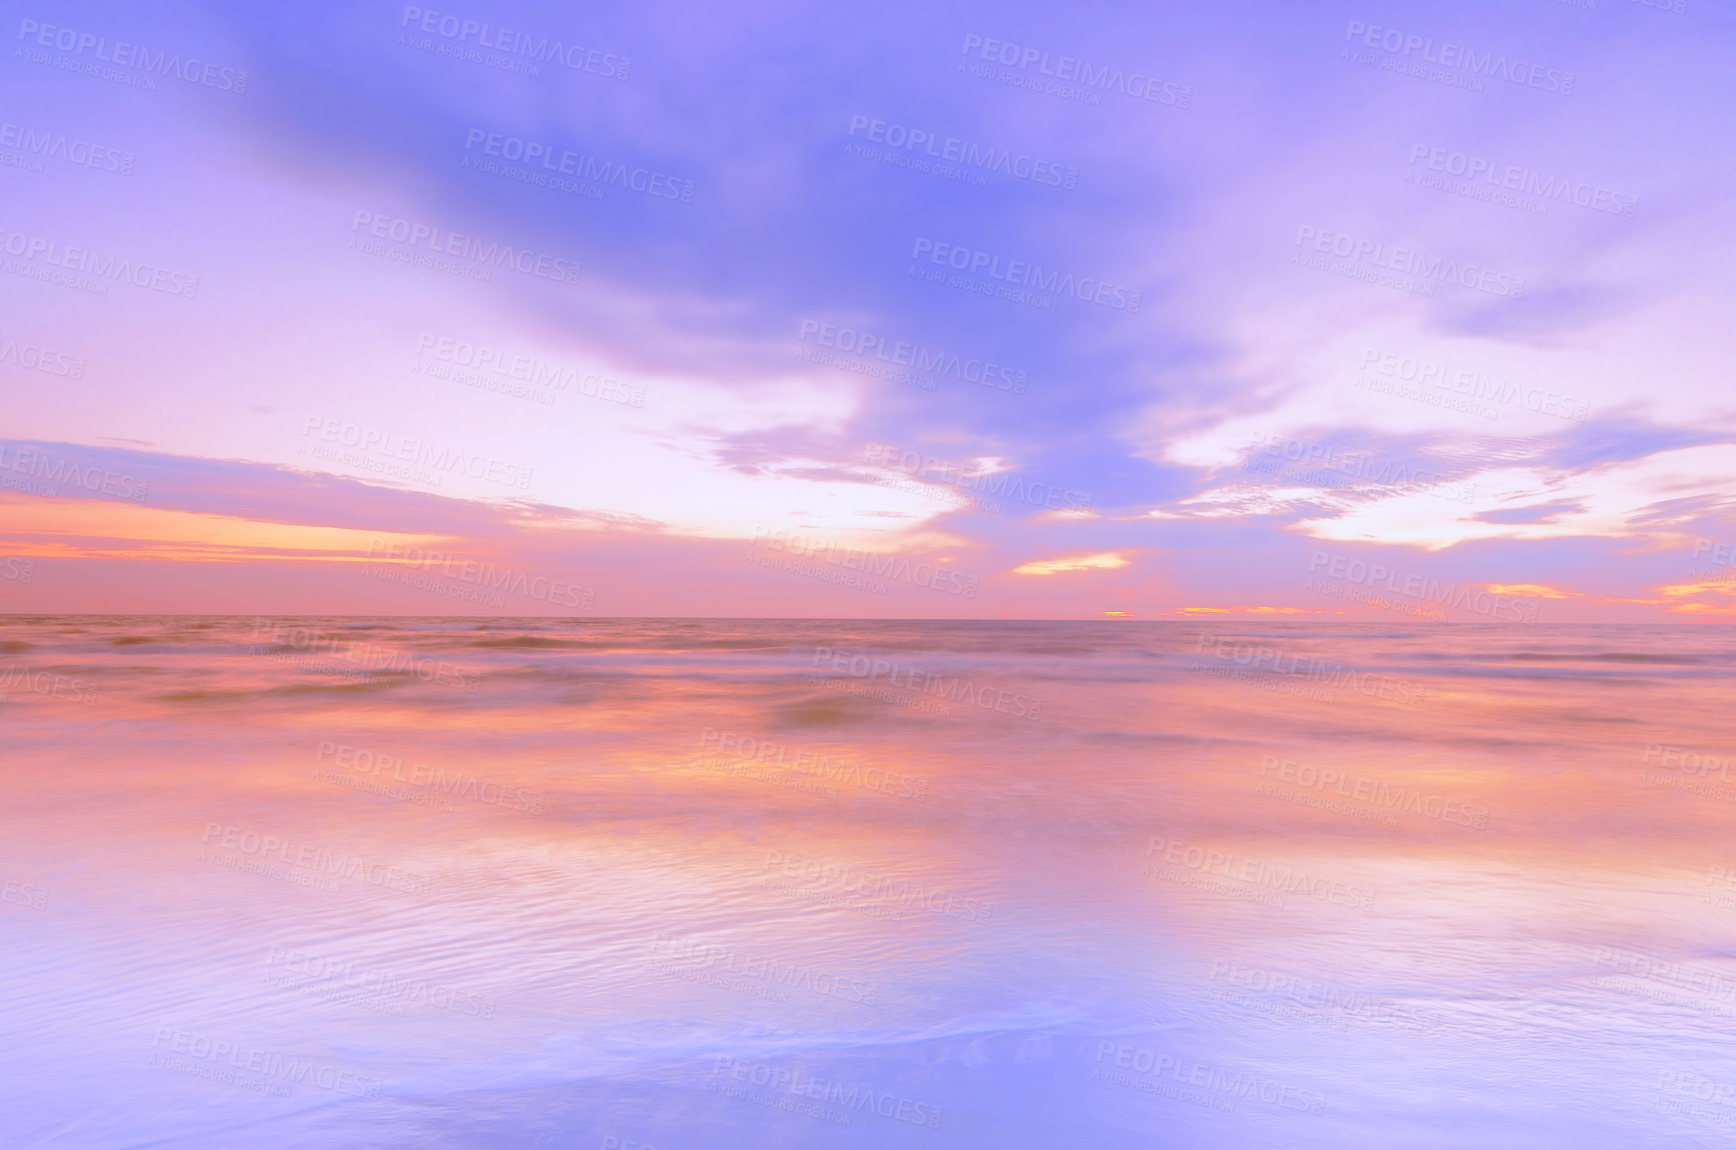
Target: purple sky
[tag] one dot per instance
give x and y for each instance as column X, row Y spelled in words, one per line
column 1373, row 310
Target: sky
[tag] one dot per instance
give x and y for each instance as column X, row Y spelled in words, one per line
column 1363, row 311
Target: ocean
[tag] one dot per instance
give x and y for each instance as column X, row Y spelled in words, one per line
column 700, row 884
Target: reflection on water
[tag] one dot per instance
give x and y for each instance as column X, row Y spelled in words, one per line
column 685, row 884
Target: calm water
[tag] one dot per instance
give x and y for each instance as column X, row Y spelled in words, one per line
column 700, row 884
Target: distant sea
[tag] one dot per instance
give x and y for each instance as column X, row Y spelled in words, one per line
column 702, row 884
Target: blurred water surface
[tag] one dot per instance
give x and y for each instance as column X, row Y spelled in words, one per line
column 690, row 884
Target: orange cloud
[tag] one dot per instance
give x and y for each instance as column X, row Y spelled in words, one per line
column 1257, row 610
column 93, row 529
column 1530, row 591
column 1107, row 561
column 1684, row 598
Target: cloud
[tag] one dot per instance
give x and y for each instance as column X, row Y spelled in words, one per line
column 1529, row 591
column 1108, row 561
